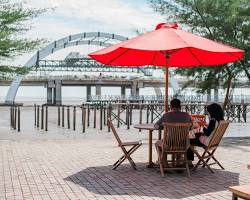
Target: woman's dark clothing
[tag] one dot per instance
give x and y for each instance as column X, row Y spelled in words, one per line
column 207, row 131
column 196, row 141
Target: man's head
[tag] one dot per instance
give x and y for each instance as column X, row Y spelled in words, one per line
column 175, row 104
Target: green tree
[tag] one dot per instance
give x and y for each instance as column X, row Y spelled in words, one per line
column 14, row 22
column 227, row 21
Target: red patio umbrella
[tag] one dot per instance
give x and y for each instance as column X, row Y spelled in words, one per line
column 168, row 46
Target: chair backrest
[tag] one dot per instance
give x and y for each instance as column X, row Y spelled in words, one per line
column 218, row 134
column 110, row 124
column 176, row 136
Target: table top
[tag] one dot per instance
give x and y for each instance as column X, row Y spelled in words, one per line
column 145, row 126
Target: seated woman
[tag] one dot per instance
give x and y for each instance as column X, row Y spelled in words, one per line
column 215, row 114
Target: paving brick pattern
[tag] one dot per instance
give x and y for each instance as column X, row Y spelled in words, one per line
column 81, row 169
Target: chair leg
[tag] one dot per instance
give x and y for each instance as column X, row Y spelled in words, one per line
column 212, row 156
column 218, row 162
column 201, row 159
column 127, row 156
column 209, row 157
column 187, row 167
column 118, row 160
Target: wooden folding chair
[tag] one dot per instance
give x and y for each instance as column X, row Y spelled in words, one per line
column 209, row 150
column 127, row 154
column 175, row 142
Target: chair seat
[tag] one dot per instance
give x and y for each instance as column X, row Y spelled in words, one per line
column 130, row 143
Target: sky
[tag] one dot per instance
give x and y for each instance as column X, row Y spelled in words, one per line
column 66, row 17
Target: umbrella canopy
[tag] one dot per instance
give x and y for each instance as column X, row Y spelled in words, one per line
column 168, row 46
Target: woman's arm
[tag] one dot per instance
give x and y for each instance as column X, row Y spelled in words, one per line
column 207, row 131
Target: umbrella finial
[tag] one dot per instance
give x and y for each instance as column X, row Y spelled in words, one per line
column 167, row 25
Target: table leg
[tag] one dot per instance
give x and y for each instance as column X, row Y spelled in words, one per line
column 150, row 162
column 159, row 134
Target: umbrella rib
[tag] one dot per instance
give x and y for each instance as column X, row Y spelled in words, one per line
column 195, row 56
column 126, row 50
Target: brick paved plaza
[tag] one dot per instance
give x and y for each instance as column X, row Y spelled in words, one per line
column 80, row 168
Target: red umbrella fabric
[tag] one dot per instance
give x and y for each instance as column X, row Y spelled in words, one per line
column 168, row 46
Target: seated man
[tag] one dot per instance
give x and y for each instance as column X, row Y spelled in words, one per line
column 175, row 115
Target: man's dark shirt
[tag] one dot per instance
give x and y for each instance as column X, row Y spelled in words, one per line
column 174, row 116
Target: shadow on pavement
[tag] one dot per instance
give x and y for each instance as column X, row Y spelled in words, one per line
column 148, row 182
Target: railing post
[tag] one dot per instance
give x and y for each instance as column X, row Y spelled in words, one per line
column 74, row 118
column 130, row 113
column 244, row 112
column 58, row 116
column 35, row 114
column 11, row 120
column 238, row 112
column 140, row 115
column 38, row 116
column 18, row 120
column 63, row 116
column 88, row 112
column 42, row 117
column 95, row 115
column 127, row 116
column 109, row 114
column 104, row 115
column 147, row 113
column 101, row 116
column 83, row 118
column 15, row 117
column 68, row 116
column 118, row 116
column 46, row 118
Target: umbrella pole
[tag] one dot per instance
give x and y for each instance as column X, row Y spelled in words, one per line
column 166, row 90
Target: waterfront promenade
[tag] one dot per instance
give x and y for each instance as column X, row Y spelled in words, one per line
column 66, row 164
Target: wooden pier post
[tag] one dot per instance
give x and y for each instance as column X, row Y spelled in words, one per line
column 83, row 119
column 101, row 114
column 238, row 112
column 46, row 118
column 42, row 117
column 140, row 115
column 15, row 116
column 130, row 114
column 244, row 112
column 74, row 118
column 88, row 112
column 104, row 115
column 68, row 117
column 11, row 120
column 95, row 116
column 38, row 116
column 109, row 114
column 58, row 116
column 127, row 116
column 147, row 113
column 18, row 119
column 152, row 113
column 63, row 116
column 118, row 116
column 35, row 114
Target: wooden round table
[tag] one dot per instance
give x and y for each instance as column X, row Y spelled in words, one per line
column 150, row 128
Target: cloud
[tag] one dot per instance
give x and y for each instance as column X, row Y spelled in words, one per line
column 110, row 15
column 122, row 17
